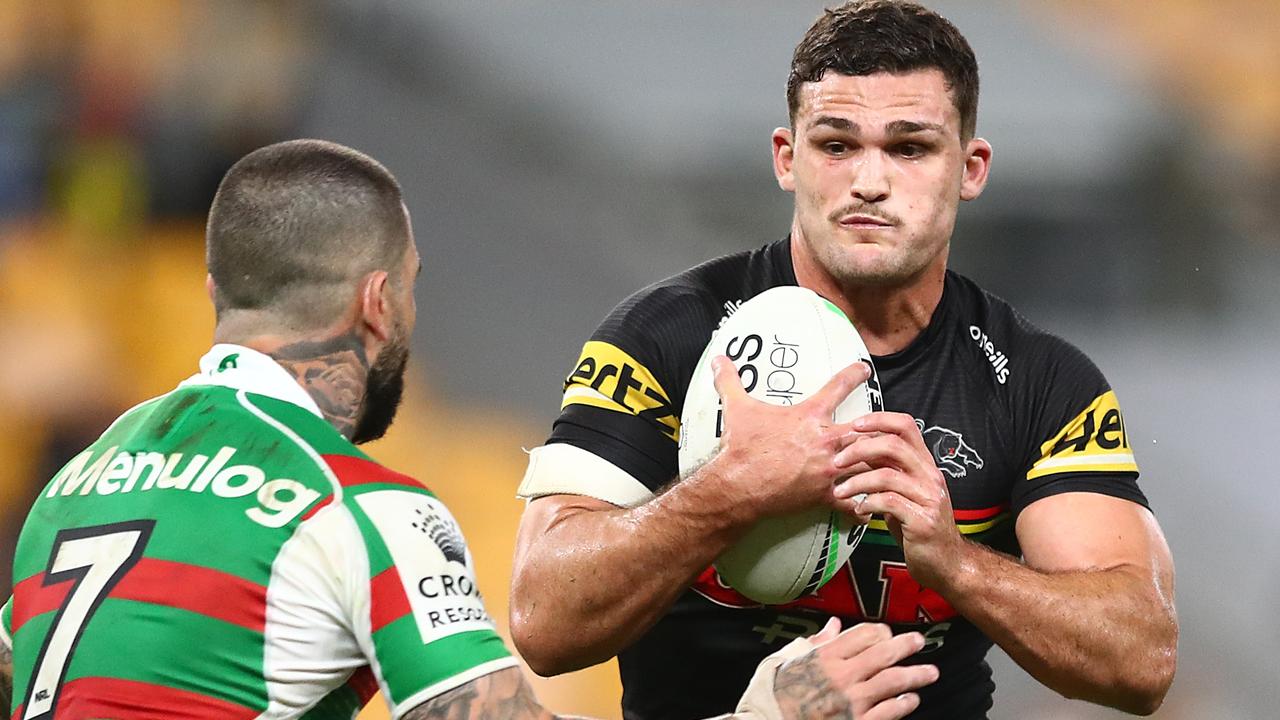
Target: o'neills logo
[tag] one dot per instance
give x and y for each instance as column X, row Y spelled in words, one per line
column 278, row 501
column 999, row 361
column 730, row 307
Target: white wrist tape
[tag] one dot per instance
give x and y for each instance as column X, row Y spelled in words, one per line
column 759, row 702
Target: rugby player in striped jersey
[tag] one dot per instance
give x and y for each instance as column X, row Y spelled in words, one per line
column 226, row 551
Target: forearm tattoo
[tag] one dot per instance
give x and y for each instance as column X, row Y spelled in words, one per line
column 334, row 372
column 503, row 695
column 803, row 691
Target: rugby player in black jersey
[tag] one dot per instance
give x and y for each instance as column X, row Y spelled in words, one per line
column 999, row 483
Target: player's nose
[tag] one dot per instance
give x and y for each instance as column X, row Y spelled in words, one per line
column 870, row 182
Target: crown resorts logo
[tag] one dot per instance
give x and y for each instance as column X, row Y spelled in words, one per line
column 444, row 534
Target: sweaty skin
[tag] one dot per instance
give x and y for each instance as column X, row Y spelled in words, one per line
column 1088, row 613
column 878, row 165
column 635, row 562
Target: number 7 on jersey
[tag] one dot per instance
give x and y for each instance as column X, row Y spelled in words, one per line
column 96, row 558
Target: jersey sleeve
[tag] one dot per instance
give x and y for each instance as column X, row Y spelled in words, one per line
column 1076, row 439
column 622, row 400
column 417, row 612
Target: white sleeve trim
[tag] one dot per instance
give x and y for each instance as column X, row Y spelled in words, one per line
column 563, row 469
column 453, row 681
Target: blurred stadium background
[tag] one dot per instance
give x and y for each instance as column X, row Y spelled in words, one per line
column 558, row 155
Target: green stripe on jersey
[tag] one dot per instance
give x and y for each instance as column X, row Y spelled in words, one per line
column 341, row 704
column 6, row 616
column 313, row 430
column 408, row 666
column 182, row 649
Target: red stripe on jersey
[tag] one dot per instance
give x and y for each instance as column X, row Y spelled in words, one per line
column 387, row 601
column 981, row 513
column 202, row 590
column 364, row 684
column 99, row 697
column 32, row 597
column 317, row 507
column 198, row 589
column 358, row 471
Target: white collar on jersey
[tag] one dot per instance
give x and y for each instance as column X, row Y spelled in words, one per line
column 242, row 368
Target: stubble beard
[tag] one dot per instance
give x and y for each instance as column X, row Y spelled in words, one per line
column 886, row 267
column 882, row 266
column 384, row 389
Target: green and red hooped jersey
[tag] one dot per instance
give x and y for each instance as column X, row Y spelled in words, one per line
column 222, row 552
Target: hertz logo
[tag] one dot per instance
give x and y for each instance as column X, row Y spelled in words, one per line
column 607, row 377
column 1094, row 441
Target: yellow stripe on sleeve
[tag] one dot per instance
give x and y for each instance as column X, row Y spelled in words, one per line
column 1093, row 441
column 609, row 378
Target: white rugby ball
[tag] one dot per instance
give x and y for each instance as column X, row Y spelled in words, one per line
column 786, row 342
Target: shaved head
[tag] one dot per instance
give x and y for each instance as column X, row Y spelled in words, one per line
column 293, row 228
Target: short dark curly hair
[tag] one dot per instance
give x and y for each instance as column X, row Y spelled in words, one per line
column 870, row 36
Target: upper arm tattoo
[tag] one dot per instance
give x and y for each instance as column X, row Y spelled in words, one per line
column 502, row 695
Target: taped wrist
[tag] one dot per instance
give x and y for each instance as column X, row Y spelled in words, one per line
column 758, row 702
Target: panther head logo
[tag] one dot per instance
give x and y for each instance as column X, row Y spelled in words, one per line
column 444, row 534
column 950, row 451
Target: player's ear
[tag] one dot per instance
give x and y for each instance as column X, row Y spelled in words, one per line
column 783, row 157
column 210, row 289
column 375, row 304
column 977, row 163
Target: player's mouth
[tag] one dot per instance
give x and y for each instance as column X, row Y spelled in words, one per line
column 862, row 221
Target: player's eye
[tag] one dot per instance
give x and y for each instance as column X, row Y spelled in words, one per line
column 835, row 148
column 911, row 151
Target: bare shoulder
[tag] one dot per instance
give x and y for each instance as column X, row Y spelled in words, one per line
column 502, row 695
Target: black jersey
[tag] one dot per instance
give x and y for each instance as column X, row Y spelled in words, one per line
column 1011, row 413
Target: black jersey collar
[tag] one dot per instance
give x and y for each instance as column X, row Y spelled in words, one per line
column 779, row 254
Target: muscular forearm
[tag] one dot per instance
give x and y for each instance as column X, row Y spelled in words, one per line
column 595, row 580
column 1108, row 636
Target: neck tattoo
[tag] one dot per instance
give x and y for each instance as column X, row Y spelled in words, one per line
column 334, row 371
